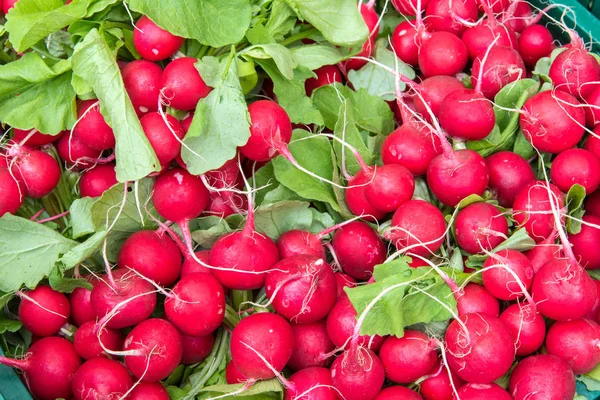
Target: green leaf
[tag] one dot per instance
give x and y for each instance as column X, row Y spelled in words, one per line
column 347, row 131
column 522, row 146
column 206, row 230
column 315, row 56
column 82, row 251
column 281, row 21
column 9, row 325
column 214, row 23
column 221, row 122
column 62, row 284
column 261, row 390
column 279, row 193
column 285, row 60
column 338, row 20
column 591, row 379
column 94, row 62
column 574, row 201
column 519, row 241
column 29, row 252
column 275, row 219
column 36, row 95
column 377, row 80
column 81, row 217
column 471, row 199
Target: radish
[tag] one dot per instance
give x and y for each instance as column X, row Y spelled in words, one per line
column 438, row 385
column 154, row 43
column 480, row 348
column 576, row 342
column 495, row 69
column 442, row 53
column 271, row 129
column 489, row 391
column 312, row 346
column 496, row 6
column 358, row 262
column 36, row 172
column 179, row 196
column 535, row 42
column 576, row 166
column 43, row 311
column 326, row 75
column 356, row 199
column 358, row 375
column 196, row 348
column 502, row 283
column 97, row 180
column 392, row 185
column 233, row 375
column 343, row 281
column 196, row 305
column 447, row 16
column 81, row 304
column 181, row 83
column 88, row 337
column 408, row 7
column 408, row 358
column 527, row 327
column 163, row 138
column 301, row 288
column 592, row 143
column 517, row 16
column 475, row 299
column 149, row 391
column 91, row 127
column 509, row 173
column 297, row 242
column 11, row 198
column 552, row 121
column 585, row 241
column 261, row 345
column 545, row 375
column 480, row 227
column 398, row 392
column 74, row 151
column 48, row 368
column 142, row 82
column 101, row 378
column 311, row 383
column 532, row 209
column 355, row 63
column 466, row 114
column 592, row 204
column 152, row 350
column 592, row 115
column 369, row 15
column 191, row 266
column 7, row 5
column 34, row 138
column 404, row 42
column 411, row 234
column 574, row 69
column 479, row 37
column 432, row 91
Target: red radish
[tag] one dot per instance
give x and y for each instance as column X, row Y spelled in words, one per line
column 369, row 15
column 585, row 242
column 592, row 204
column 576, row 342
column 142, row 82
column 408, row 358
column 496, row 6
column 495, row 69
column 444, row 15
column 475, row 299
column 433, row 91
column 341, row 322
column 154, row 43
column 34, row 137
column 161, row 137
column 479, row 37
column 358, row 262
column 149, row 391
column 594, row 313
column 544, row 252
column 101, row 378
column 73, row 151
column 196, row 348
column 326, row 75
column 95, row 181
column 516, row 16
column 442, row 53
column 527, row 327
column 233, row 375
column 438, row 385
column 91, row 127
column 357, row 201
column 552, row 121
column 271, row 127
column 404, row 42
column 574, row 69
column 81, row 303
column 44, row 311
column 297, row 242
column 503, row 284
column 312, row 346
column 592, row 143
column 153, row 350
column 489, row 391
column 11, row 198
column 408, row 7
column 261, row 338
column 545, row 375
column 576, row 166
column 356, row 63
column 481, row 349
column 392, row 185
column 398, row 392
column 88, row 337
column 311, row 383
column 197, row 305
column 532, row 209
column 191, row 266
column 592, row 115
column 535, row 42
column 181, row 83
column 179, row 195
column 509, row 173
column 48, row 368
column 37, row 172
column 225, row 204
column 344, row 280
column 479, row 227
column 301, row 288
column 7, row 5
column 466, row 114
column 358, row 376
column 127, row 302
column 411, row 233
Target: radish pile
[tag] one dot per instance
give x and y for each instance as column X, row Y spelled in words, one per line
column 298, row 200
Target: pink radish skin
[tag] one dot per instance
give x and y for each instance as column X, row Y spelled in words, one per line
column 438, row 386
column 10, row 199
column 326, row 75
column 312, row 346
column 535, row 42
column 485, row 354
column 94, row 182
column 149, row 391
column 592, row 204
column 266, row 334
column 408, row 358
column 576, row 166
column 453, row 177
column 398, row 392
column 434, row 90
column 301, row 288
column 197, row 307
column 408, row 7
column 92, row 129
column 36, row 172
column 360, row 378
column 475, row 299
column 592, row 113
column 503, row 65
column 509, row 173
column 545, row 252
column 47, row 316
column 142, row 82
column 496, row 6
column 594, row 313
column 48, row 368
column 392, row 185
column 81, row 303
column 532, row 210
column 409, row 229
column 585, row 242
column 545, row 375
column 563, row 290
column 480, row 226
column 369, row 15
column 306, row 379
column 74, row 151
column 480, row 37
column 158, row 347
column 518, row 20
column 196, row 348
column 572, row 69
column 466, row 114
column 101, row 378
column 552, row 126
column 355, row 63
column 152, row 254
column 404, row 43
column 87, row 343
column 439, row 15
column 162, row 140
column 104, row 298
column 271, row 126
column 154, row 43
column 592, row 143
column 343, row 281
column 528, row 329
column 489, row 391
column 297, row 242
column 501, row 283
column 181, row 83
column 38, row 139
column 233, row 375
column 358, row 262
column 191, row 266
column 577, row 343
column 179, row 195
column 442, row 53
column 357, row 200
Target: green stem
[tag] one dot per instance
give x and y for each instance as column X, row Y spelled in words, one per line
column 298, row 36
column 202, row 51
column 231, row 317
column 239, row 297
